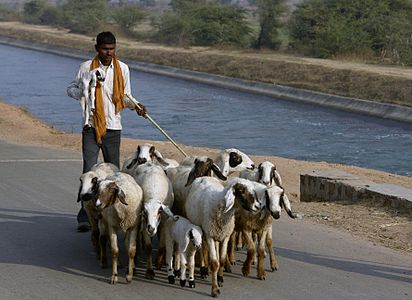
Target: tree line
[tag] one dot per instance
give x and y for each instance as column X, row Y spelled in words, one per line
column 379, row 29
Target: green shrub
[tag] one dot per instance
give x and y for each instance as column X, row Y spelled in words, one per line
column 204, row 24
column 8, row 14
column 128, row 16
column 324, row 28
column 84, row 16
column 32, row 10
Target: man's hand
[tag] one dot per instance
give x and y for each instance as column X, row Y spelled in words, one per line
column 141, row 110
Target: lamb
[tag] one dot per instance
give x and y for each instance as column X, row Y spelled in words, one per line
column 87, row 99
column 120, row 201
column 87, row 194
column 158, row 197
column 211, row 205
column 183, row 239
column 147, row 153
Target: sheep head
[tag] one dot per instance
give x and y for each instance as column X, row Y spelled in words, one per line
column 244, row 196
column 88, row 187
column 144, row 153
column 152, row 211
column 204, row 168
column 232, row 160
column 108, row 193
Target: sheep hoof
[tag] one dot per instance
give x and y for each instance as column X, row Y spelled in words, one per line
column 220, row 280
column 245, row 271
column 177, row 273
column 171, row 279
column 215, row 292
column 261, row 277
column 192, row 284
column 182, row 283
column 228, row 268
column 204, row 272
column 150, row 274
column 114, row 279
column 129, row 278
column 275, row 268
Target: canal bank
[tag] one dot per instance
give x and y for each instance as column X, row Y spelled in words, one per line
column 378, row 109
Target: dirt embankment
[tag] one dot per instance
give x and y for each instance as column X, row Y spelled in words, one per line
column 373, row 82
column 380, row 225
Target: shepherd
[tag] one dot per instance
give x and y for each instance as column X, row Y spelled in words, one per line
column 101, row 86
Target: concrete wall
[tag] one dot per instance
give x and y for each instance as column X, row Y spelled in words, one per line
column 326, row 185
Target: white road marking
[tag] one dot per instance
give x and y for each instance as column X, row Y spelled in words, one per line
column 39, row 160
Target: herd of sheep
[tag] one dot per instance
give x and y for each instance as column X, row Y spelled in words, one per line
column 194, row 206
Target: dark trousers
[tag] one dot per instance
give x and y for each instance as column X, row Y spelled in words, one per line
column 110, row 147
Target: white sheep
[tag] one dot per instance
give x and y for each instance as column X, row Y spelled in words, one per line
column 147, row 153
column 120, row 201
column 266, row 173
column 158, row 197
column 211, row 205
column 88, row 98
column 87, row 194
column 183, row 239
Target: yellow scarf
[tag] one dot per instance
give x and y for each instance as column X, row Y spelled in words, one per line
column 99, row 116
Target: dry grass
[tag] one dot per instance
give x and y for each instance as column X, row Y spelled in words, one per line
column 382, row 83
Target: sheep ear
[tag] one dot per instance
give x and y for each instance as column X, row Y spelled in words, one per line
column 285, row 200
column 78, row 193
column 229, row 199
column 234, row 159
column 217, row 172
column 166, row 211
column 276, row 177
column 117, row 193
column 152, row 151
column 160, row 159
column 95, row 185
column 132, row 163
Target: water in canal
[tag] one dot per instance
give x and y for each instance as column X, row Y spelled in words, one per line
column 203, row 115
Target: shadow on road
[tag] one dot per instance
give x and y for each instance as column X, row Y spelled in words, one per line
column 369, row 268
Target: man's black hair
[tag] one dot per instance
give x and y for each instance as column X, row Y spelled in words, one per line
column 105, row 37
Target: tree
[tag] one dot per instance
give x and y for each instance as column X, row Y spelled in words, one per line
column 33, row 9
column 128, row 16
column 270, row 21
column 197, row 22
column 325, row 28
column 84, row 16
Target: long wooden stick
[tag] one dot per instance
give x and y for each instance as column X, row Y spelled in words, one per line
column 158, row 127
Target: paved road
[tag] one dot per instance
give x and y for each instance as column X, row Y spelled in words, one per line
column 43, row 257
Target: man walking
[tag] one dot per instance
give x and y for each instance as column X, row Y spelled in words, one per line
column 101, row 118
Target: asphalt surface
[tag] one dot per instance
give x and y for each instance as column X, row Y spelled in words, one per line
column 43, row 257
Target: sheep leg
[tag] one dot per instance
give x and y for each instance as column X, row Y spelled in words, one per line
column 273, row 261
column 223, row 259
column 261, row 256
column 231, row 254
column 214, row 266
column 162, row 250
column 131, row 246
column 183, row 263
column 169, row 261
column 239, row 242
column 115, row 255
column 203, row 253
column 247, row 235
column 190, row 253
column 254, row 235
column 103, row 245
column 149, row 267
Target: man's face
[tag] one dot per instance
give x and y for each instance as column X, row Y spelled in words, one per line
column 106, row 52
